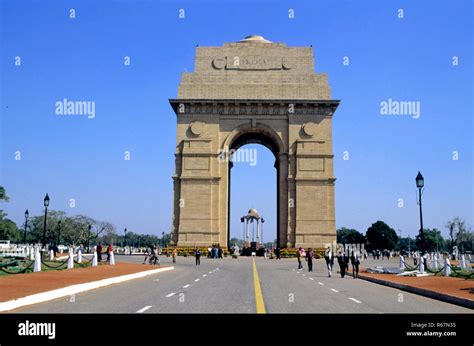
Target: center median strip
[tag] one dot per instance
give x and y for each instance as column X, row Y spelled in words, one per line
column 74, row 289
column 260, row 305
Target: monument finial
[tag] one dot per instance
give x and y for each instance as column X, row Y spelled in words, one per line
column 255, row 38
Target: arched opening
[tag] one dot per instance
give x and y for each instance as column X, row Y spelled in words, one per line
column 253, row 176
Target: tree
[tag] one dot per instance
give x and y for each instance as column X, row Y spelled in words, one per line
column 349, row 236
column 236, row 241
column 460, row 234
column 8, row 229
column 406, row 244
column 3, row 194
column 380, row 236
column 434, row 241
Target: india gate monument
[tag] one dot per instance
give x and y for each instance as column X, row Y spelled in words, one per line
column 254, row 91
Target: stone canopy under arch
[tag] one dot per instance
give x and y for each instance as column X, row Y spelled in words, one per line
column 254, row 91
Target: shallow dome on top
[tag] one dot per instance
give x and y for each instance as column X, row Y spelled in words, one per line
column 253, row 214
column 255, row 38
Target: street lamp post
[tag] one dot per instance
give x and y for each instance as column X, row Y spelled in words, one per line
column 46, row 204
column 59, row 232
column 262, row 221
column 26, row 225
column 400, row 241
column 162, row 240
column 420, row 182
column 88, row 236
column 125, row 240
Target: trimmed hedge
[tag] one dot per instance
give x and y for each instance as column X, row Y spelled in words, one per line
column 291, row 253
column 189, row 251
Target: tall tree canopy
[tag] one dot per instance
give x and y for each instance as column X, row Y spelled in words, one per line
column 381, row 236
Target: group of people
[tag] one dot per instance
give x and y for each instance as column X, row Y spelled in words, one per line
column 99, row 249
column 215, row 252
column 342, row 259
column 151, row 255
column 381, row 253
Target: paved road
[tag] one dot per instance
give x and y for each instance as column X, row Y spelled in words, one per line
column 228, row 286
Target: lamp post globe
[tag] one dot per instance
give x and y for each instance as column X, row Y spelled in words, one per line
column 46, row 201
column 420, row 181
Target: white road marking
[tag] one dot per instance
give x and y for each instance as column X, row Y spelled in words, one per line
column 332, row 289
column 171, row 294
column 186, row 286
column 311, row 278
column 156, row 280
column 196, row 280
column 204, row 275
column 355, row 300
column 210, row 272
column 321, row 283
column 304, row 274
column 143, row 309
column 217, row 269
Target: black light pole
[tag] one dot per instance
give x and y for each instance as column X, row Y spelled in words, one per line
column 26, row 225
column 46, row 204
column 420, row 182
column 124, row 240
column 59, row 232
column 263, row 221
column 88, row 237
column 162, row 240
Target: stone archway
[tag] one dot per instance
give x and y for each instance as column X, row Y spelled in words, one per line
column 266, row 136
column 254, row 91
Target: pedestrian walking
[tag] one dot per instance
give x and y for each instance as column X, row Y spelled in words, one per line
column 147, row 254
column 197, row 253
column 329, row 258
column 343, row 261
column 298, row 257
column 109, row 251
column 99, row 252
column 309, row 259
column 175, row 253
column 355, row 261
column 277, row 253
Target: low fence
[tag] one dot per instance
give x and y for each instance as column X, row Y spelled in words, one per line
column 465, row 271
column 13, row 264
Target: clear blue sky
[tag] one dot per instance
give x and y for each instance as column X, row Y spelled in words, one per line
column 407, row 59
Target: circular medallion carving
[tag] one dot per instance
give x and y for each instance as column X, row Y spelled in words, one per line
column 197, row 127
column 309, row 129
column 218, row 63
column 286, row 64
